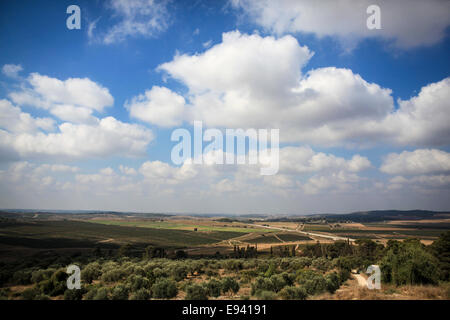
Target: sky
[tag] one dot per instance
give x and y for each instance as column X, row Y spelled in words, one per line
column 86, row 115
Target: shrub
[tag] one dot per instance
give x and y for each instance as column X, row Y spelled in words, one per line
column 141, row 294
column 261, row 284
column 91, row 272
column 30, row 293
column 75, row 294
column 214, row 288
column 113, row 275
column 229, row 284
column 321, row 263
column 266, row 295
column 41, row 275
column 278, row 282
column 120, row 292
column 409, row 263
column 137, row 282
column 101, row 294
column 164, row 289
column 293, row 293
column 332, row 282
column 196, row 292
column 179, row 272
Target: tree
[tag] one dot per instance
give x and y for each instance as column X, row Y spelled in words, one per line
column 164, row 289
column 409, row 263
column 196, row 292
column 441, row 250
column 214, row 288
column 119, row 292
column 229, row 284
column 91, row 272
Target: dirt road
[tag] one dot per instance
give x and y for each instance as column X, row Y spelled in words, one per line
column 319, row 235
column 361, row 280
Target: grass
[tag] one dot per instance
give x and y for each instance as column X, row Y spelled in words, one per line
column 178, row 226
column 56, row 234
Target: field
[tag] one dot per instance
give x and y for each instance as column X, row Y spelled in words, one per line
column 243, row 258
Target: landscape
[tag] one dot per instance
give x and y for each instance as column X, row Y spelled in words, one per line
column 143, row 256
column 224, row 158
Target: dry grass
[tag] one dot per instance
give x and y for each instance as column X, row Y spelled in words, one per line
column 388, row 292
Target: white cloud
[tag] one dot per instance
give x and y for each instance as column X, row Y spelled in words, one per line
column 327, row 106
column 12, row 70
column 305, row 160
column 127, row 170
column 72, row 100
column 407, row 23
column 424, row 119
column 163, row 172
column 108, row 137
column 159, row 106
column 418, row 162
column 14, row 120
column 146, row 18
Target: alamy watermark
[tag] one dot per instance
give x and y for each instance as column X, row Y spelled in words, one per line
column 373, row 22
column 74, row 280
column 374, row 280
column 258, row 153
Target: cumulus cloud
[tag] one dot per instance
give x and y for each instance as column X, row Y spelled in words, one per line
column 418, row 162
column 406, row 23
column 74, row 99
column 159, row 106
column 306, row 160
column 146, row 18
column 14, row 120
column 12, row 70
column 157, row 171
column 108, row 137
column 250, row 81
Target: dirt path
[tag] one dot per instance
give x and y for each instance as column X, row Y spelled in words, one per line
column 278, row 238
column 362, row 282
column 319, row 235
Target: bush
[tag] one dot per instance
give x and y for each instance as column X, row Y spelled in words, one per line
column 344, row 275
column 137, row 282
column 113, row 275
column 293, row 293
column 101, row 294
column 141, row 294
column 321, row 264
column 179, row 272
column 196, row 292
column 214, row 288
column 164, row 289
column 266, row 295
column 75, row 294
column 91, row 272
column 41, row 275
column 409, row 263
column 313, row 282
column 30, row 294
column 278, row 282
column 119, row 292
column 229, row 284
column 262, row 284
column 332, row 282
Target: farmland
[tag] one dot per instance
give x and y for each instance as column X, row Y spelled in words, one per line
column 126, row 256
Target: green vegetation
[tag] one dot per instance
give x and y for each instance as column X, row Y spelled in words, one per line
column 151, row 263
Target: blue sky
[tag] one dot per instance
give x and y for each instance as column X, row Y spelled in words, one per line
column 353, row 110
